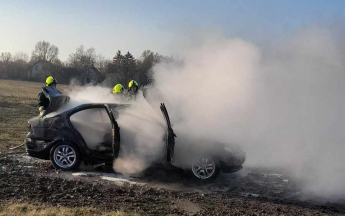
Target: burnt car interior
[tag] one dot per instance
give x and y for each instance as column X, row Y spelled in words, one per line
column 95, row 127
column 97, row 130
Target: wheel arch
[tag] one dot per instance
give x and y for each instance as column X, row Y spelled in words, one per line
column 62, row 140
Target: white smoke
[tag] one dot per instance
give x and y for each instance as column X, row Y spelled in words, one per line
column 212, row 92
column 142, row 131
column 282, row 104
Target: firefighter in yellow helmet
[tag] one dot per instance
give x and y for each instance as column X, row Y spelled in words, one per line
column 118, row 89
column 43, row 101
column 133, row 88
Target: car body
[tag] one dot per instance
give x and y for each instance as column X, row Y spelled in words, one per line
column 59, row 137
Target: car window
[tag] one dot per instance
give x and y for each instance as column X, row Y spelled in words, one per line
column 95, row 127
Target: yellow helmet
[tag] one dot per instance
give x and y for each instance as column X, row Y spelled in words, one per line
column 130, row 84
column 118, row 89
column 50, row 81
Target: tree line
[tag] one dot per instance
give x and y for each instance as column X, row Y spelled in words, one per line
column 121, row 69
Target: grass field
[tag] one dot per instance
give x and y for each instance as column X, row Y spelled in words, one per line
column 18, row 103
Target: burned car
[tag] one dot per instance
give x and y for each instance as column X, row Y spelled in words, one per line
column 67, row 142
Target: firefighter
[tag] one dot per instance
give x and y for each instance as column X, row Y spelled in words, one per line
column 133, row 88
column 118, row 89
column 43, row 101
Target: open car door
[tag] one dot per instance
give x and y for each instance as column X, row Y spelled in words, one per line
column 170, row 137
column 56, row 99
column 115, row 133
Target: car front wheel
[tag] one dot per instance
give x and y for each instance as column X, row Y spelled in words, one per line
column 65, row 156
column 205, row 168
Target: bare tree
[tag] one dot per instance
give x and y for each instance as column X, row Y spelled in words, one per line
column 101, row 63
column 44, row 51
column 13, row 67
column 21, row 56
column 82, row 58
column 6, row 57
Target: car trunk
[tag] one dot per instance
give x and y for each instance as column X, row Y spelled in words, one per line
column 40, row 126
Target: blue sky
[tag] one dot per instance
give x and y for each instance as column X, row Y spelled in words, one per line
column 158, row 25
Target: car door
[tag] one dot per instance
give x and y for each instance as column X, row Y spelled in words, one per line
column 115, row 132
column 170, row 135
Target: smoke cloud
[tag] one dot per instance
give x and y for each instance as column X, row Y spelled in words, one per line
column 142, row 132
column 283, row 104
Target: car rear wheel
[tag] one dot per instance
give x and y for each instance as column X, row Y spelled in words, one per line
column 205, row 168
column 65, row 156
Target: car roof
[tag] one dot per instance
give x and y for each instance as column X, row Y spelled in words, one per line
column 65, row 111
column 97, row 105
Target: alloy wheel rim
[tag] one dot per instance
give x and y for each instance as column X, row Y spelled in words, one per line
column 65, row 156
column 204, row 168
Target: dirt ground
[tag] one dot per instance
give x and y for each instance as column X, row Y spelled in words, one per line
column 252, row 191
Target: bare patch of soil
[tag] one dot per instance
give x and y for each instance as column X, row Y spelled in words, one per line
column 255, row 192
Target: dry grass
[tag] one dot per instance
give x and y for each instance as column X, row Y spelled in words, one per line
column 18, row 103
column 15, row 209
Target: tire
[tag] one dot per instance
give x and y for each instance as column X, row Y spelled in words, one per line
column 65, row 156
column 205, row 169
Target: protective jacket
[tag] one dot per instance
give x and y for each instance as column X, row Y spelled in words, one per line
column 43, row 101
